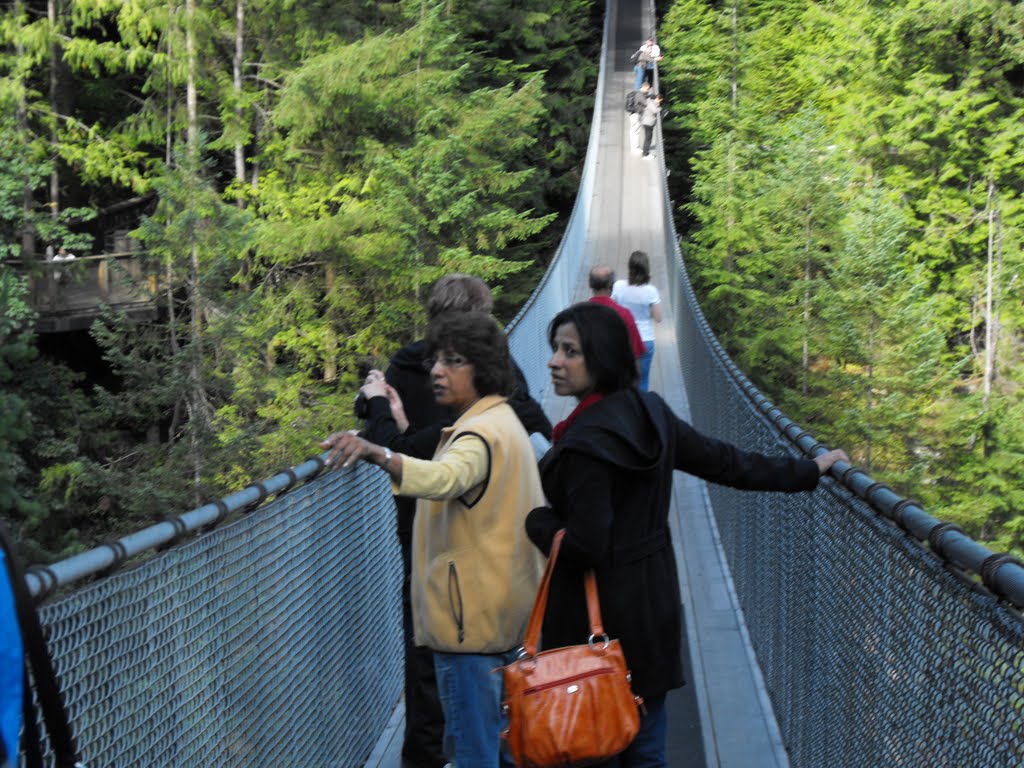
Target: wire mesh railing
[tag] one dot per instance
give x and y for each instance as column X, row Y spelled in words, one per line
column 875, row 650
column 273, row 640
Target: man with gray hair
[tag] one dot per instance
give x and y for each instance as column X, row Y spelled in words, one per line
column 459, row 293
column 602, row 278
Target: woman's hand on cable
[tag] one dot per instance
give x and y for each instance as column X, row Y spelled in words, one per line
column 826, row 460
column 346, row 448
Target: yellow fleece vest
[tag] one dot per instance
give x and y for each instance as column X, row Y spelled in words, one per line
column 474, row 571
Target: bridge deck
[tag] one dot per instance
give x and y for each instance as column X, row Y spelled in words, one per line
column 722, row 718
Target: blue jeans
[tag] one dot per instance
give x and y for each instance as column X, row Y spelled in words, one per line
column 638, row 76
column 471, row 688
column 648, row 748
column 645, row 365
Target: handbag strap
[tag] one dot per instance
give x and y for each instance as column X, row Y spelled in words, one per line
column 533, row 626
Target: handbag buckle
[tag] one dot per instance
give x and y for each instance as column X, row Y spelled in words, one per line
column 524, row 657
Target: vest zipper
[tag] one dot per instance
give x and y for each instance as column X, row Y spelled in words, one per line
column 457, row 613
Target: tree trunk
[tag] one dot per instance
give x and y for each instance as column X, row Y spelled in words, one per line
column 197, row 398
column 734, row 86
column 730, row 217
column 807, row 308
column 990, row 316
column 237, row 75
column 51, row 15
column 28, row 231
column 330, row 335
column 870, row 395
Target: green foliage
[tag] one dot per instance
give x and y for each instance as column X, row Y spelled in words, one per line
column 299, row 202
column 21, row 170
column 16, row 351
column 855, row 172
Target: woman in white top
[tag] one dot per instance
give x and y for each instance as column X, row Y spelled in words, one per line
column 644, row 302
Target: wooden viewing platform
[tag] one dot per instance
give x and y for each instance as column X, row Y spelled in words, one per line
column 68, row 295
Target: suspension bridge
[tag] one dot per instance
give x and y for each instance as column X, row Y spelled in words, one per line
column 843, row 628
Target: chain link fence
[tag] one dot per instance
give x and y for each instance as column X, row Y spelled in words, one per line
column 875, row 649
column 274, row 640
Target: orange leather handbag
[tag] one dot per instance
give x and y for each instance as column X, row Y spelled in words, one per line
column 568, row 706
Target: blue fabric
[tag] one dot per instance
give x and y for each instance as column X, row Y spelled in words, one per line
column 645, row 365
column 12, row 667
column 648, row 748
column 470, row 686
column 639, row 73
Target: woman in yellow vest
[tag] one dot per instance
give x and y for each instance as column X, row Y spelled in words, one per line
column 474, row 571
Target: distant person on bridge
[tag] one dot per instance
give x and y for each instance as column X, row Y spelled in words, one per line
column 635, row 103
column 405, row 392
column 644, row 303
column 649, row 119
column 608, row 480
column 645, row 58
column 474, row 571
column 601, row 279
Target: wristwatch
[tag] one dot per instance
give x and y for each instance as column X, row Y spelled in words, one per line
column 387, row 458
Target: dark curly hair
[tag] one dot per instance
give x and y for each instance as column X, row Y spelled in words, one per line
column 477, row 337
column 607, row 351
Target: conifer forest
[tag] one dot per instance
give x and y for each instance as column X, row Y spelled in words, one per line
column 293, row 176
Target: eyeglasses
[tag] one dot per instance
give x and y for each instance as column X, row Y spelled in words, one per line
column 447, row 362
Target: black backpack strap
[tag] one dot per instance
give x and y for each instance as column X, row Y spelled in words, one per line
column 38, row 657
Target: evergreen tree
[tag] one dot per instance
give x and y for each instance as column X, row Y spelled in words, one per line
column 305, row 173
column 16, row 349
column 917, row 337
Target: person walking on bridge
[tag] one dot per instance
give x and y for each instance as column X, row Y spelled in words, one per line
column 649, row 119
column 646, row 57
column 601, row 280
column 608, row 479
column 644, row 302
column 635, row 103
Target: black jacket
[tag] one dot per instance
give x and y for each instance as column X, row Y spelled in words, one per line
column 609, row 483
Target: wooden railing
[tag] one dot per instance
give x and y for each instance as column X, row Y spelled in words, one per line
column 67, row 295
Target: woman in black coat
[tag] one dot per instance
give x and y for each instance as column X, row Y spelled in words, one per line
column 608, row 480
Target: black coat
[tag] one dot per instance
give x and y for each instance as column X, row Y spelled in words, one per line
column 609, row 483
